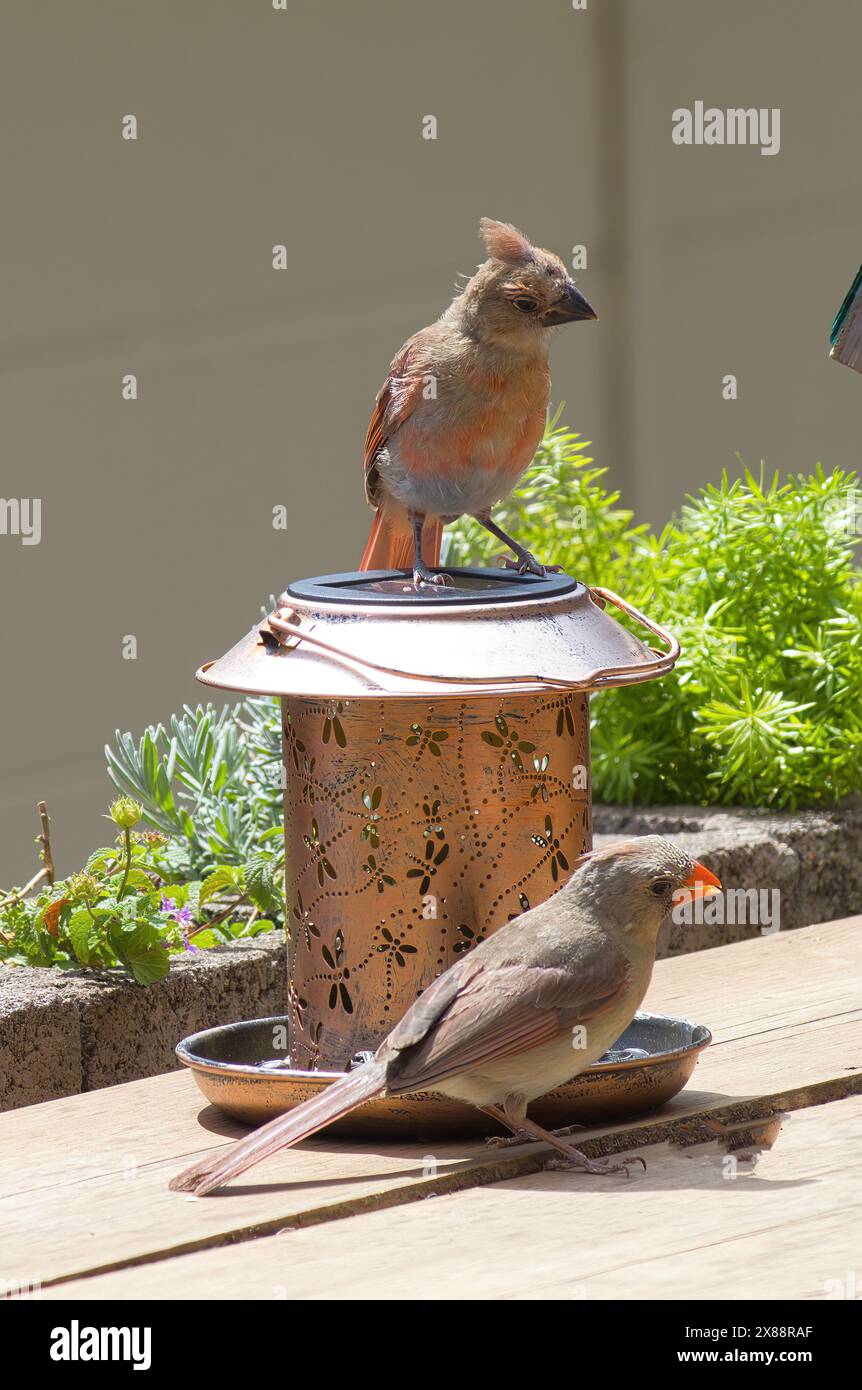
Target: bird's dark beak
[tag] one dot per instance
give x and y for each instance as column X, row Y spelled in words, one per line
column 568, row 309
column 699, row 884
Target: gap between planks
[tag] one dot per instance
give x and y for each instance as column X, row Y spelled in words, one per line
column 783, row 1223
column 532, row 1158
column 770, row 1007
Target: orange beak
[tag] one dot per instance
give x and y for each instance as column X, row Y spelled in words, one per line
column 699, row 884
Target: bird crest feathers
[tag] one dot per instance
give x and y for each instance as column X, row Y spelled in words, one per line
column 504, row 242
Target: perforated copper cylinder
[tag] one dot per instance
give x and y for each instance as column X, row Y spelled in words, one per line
column 413, row 829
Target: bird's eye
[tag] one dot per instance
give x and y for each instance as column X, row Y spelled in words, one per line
column 525, row 305
column 660, row 887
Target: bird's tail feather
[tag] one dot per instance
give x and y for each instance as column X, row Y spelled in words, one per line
column 306, row 1119
column 390, row 542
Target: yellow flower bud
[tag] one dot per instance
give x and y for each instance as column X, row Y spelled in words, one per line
column 125, row 812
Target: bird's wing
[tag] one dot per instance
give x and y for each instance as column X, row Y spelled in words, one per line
column 497, row 1012
column 395, row 402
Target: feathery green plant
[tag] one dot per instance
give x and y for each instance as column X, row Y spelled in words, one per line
column 756, row 578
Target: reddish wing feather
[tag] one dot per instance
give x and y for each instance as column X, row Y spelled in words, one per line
column 505, row 1010
column 395, row 402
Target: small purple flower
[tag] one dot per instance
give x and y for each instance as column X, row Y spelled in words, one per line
column 183, row 917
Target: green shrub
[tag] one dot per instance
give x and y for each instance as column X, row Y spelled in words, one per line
column 757, row 580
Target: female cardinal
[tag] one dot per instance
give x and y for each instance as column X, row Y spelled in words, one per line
column 523, row 1012
column 463, row 408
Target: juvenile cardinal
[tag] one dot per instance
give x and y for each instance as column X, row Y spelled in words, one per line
column 523, row 1012
column 463, row 408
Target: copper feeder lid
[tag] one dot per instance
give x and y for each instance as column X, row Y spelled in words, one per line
column 373, row 634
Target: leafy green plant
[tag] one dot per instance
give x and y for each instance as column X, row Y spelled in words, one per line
column 211, row 780
column 124, row 912
column 756, row 577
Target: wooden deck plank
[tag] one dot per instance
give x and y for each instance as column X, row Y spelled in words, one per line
column 782, row 1228
column 84, row 1180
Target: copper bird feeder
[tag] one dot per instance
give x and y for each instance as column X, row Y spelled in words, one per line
column 436, row 760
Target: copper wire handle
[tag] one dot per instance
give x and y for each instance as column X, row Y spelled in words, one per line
column 663, row 662
column 282, row 632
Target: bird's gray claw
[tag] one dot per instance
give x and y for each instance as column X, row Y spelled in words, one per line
column 624, row 1167
column 601, row 1167
column 506, row 1141
column 424, row 576
column 528, row 564
column 606, row 1166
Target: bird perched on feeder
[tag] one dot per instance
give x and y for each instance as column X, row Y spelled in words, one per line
column 463, row 408
column 526, row 1010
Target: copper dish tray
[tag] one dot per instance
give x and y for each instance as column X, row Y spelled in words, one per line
column 227, row 1066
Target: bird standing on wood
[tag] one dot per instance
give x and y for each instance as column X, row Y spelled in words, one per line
column 526, row 1010
column 463, row 408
